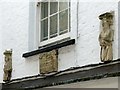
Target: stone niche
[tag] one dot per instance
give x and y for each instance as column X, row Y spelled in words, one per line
column 48, row 62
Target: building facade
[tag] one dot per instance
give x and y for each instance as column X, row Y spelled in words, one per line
column 20, row 31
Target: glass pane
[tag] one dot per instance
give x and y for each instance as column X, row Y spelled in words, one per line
column 53, row 7
column 44, row 9
column 63, row 5
column 44, row 30
column 53, row 25
column 63, row 21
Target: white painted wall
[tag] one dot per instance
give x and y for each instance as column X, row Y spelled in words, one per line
column 17, row 31
column 14, row 33
column 88, row 45
column 87, row 49
column 0, row 48
column 118, row 29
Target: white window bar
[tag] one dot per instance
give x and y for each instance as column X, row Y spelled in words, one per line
column 49, row 20
column 58, row 23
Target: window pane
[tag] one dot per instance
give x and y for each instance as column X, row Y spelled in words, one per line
column 63, row 5
column 53, row 26
column 53, row 7
column 44, row 30
column 63, row 21
column 44, row 9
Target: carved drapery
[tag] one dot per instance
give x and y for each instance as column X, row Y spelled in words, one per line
column 106, row 36
column 7, row 65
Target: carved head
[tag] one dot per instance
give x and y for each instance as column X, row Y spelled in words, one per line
column 8, row 52
column 106, row 20
column 107, row 17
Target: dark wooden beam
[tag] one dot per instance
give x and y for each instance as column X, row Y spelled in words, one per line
column 49, row 48
column 107, row 70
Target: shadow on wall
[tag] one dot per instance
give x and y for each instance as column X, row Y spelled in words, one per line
column 0, row 86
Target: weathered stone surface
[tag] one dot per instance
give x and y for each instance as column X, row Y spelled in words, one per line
column 48, row 62
column 106, row 36
column 8, row 65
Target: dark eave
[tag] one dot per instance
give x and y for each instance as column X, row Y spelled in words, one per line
column 97, row 71
column 49, row 48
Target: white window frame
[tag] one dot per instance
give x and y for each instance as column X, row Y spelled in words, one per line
column 57, row 38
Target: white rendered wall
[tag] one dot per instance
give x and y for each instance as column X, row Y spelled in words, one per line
column 1, row 71
column 14, row 30
column 118, row 29
column 87, row 49
column 17, row 32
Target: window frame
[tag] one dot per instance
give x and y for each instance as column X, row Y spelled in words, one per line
column 58, row 37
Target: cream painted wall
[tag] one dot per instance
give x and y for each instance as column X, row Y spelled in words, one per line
column 17, row 31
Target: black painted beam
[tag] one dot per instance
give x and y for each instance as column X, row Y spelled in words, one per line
column 49, row 48
column 107, row 70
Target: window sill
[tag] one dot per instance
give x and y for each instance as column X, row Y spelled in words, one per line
column 49, row 48
column 55, row 39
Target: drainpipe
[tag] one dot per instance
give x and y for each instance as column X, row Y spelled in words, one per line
column 77, row 17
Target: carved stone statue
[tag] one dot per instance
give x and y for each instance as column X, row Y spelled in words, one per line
column 106, row 36
column 7, row 65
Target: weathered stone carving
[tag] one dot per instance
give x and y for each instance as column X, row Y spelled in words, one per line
column 106, row 36
column 8, row 65
column 48, row 62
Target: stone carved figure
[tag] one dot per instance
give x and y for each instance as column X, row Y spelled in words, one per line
column 7, row 65
column 106, row 36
